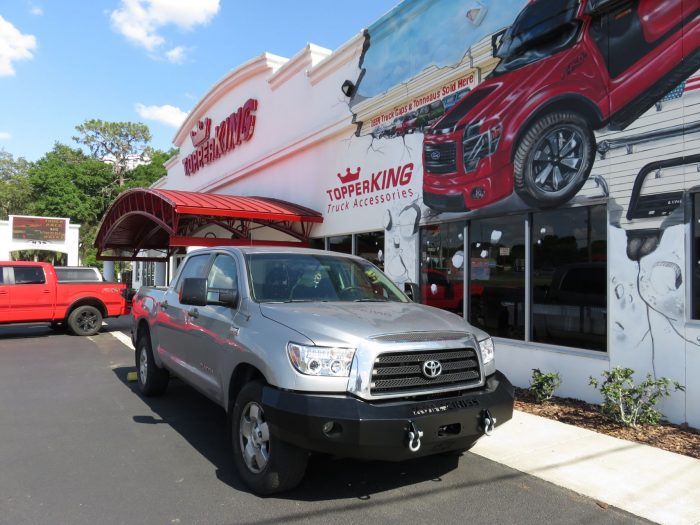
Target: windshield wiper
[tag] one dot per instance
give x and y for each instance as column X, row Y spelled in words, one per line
column 373, row 300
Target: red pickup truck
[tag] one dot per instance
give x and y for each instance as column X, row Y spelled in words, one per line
column 567, row 68
column 30, row 292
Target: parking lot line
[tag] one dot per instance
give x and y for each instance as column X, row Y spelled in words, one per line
column 123, row 338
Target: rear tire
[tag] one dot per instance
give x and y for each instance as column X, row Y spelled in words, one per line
column 266, row 464
column 153, row 380
column 85, row 320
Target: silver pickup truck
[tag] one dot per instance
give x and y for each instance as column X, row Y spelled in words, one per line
column 314, row 351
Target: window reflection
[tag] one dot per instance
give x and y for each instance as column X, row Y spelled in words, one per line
column 442, row 266
column 370, row 246
column 318, row 244
column 569, row 280
column 497, row 267
column 340, row 243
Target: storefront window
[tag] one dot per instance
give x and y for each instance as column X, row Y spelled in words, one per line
column 341, row 243
column 696, row 256
column 318, row 244
column 497, row 269
column 370, row 246
column 442, row 266
column 568, row 278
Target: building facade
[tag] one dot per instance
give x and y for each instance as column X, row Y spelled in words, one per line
column 533, row 166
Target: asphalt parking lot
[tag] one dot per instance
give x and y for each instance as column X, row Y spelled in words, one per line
column 79, row 445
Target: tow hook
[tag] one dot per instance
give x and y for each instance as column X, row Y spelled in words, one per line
column 488, row 422
column 414, row 436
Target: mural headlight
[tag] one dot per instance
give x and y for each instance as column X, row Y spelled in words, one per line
column 477, row 145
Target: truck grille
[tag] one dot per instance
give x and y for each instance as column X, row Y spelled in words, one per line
column 440, row 158
column 402, row 372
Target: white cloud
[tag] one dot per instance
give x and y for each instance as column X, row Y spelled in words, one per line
column 140, row 20
column 4, row 135
column 166, row 114
column 176, row 55
column 13, row 46
column 36, row 10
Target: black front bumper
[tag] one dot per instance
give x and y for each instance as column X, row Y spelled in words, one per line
column 372, row 430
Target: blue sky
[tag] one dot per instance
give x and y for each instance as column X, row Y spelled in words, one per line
column 65, row 61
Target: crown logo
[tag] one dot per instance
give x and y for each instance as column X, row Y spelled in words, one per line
column 349, row 175
column 201, row 132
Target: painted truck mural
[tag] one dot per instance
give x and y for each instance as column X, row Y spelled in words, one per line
column 581, row 115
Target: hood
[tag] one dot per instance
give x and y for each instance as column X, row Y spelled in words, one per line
column 499, row 95
column 336, row 323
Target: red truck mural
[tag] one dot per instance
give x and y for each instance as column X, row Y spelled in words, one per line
column 567, row 68
column 30, row 292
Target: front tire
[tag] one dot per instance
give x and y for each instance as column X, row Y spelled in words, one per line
column 85, row 320
column 266, row 464
column 153, row 380
column 553, row 159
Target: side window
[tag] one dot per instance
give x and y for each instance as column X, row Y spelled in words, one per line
column 2, row 272
column 29, row 275
column 223, row 274
column 194, row 267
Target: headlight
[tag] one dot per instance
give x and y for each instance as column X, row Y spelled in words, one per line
column 487, row 350
column 321, row 361
column 477, row 145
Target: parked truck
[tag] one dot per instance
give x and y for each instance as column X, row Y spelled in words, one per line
column 32, row 292
column 313, row 351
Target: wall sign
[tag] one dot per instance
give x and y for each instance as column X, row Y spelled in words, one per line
column 231, row 132
column 41, row 229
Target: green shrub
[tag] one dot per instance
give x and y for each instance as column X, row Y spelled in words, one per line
column 630, row 404
column 543, row 385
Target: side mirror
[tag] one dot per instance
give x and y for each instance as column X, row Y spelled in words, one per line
column 412, row 290
column 194, row 291
column 225, row 298
column 496, row 40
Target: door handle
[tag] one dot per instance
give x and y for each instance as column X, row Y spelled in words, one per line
column 193, row 313
column 46, row 291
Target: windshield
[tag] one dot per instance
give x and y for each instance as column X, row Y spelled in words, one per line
column 542, row 28
column 301, row 277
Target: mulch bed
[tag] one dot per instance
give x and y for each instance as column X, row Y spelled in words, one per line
column 680, row 439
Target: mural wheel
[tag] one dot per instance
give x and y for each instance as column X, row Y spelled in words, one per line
column 553, row 159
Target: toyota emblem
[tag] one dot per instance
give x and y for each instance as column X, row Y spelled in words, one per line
column 435, row 155
column 432, row 369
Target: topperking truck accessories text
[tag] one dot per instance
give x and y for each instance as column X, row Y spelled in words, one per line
column 312, row 351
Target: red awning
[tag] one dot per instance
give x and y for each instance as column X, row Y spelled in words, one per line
column 152, row 219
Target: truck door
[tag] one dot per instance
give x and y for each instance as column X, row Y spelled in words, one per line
column 4, row 296
column 174, row 327
column 691, row 28
column 641, row 43
column 215, row 336
column 31, row 297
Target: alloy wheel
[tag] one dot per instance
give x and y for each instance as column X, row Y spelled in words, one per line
column 557, row 159
column 254, row 436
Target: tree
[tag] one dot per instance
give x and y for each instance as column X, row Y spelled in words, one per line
column 146, row 174
column 67, row 183
column 15, row 198
column 117, row 142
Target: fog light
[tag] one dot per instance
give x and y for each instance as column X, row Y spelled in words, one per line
column 478, row 193
column 328, row 427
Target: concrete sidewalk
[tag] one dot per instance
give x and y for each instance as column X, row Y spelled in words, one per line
column 651, row 483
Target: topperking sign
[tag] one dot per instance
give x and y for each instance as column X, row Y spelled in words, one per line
column 231, row 132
